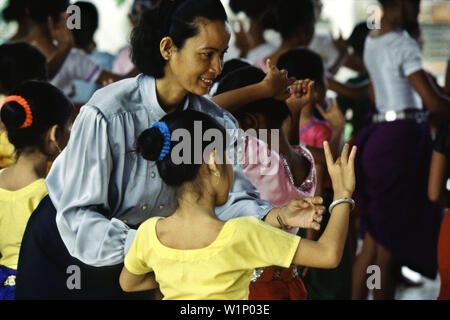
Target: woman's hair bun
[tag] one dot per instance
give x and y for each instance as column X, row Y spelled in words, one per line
column 13, row 115
column 150, row 144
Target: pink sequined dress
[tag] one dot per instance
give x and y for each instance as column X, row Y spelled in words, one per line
column 269, row 172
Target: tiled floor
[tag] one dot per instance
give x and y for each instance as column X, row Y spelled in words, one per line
column 429, row 290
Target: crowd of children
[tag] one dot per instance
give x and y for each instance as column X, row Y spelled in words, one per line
column 100, row 167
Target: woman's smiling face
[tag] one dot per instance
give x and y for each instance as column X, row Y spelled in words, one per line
column 200, row 61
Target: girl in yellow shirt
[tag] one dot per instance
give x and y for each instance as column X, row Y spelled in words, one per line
column 36, row 116
column 192, row 255
column 19, row 62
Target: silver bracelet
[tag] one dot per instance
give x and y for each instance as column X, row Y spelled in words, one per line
column 342, row 200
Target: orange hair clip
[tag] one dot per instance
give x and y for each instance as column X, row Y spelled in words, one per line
column 29, row 116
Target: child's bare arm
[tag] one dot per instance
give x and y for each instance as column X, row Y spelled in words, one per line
column 130, row 282
column 351, row 92
column 437, row 179
column 327, row 251
column 274, row 86
column 433, row 99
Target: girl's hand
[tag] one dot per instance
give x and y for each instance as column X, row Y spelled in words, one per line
column 276, row 82
column 333, row 114
column 242, row 40
column 305, row 213
column 342, row 172
column 302, row 94
column 340, row 44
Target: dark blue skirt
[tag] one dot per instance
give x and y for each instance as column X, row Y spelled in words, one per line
column 46, row 270
column 7, row 289
column 392, row 168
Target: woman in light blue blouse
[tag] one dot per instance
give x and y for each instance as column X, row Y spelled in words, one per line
column 99, row 190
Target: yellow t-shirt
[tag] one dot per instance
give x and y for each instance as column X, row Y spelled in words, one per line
column 7, row 155
column 221, row 271
column 15, row 210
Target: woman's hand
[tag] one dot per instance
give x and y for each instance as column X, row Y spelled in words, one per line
column 341, row 171
column 276, row 82
column 333, row 114
column 302, row 94
column 305, row 213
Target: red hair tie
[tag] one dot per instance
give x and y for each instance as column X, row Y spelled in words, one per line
column 29, row 116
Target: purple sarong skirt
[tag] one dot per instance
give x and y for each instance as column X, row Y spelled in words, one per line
column 392, row 168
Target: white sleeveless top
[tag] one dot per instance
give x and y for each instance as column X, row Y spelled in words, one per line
column 390, row 59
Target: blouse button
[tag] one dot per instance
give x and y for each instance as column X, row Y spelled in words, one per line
column 161, row 207
column 153, row 175
column 144, row 207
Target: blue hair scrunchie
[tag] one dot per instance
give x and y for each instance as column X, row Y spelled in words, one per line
column 164, row 129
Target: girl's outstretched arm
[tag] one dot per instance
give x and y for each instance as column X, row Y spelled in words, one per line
column 432, row 98
column 327, row 251
column 130, row 282
column 274, row 85
column 437, row 179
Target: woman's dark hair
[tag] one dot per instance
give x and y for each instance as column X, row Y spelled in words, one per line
column 40, row 10
column 15, row 11
column 302, row 64
column 252, row 9
column 20, row 62
column 151, row 141
column 295, row 14
column 176, row 19
column 358, row 37
column 274, row 111
column 84, row 36
column 49, row 106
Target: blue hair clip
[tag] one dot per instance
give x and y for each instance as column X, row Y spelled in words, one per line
column 164, row 129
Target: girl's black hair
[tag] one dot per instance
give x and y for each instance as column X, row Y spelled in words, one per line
column 302, row 64
column 20, row 62
column 40, row 10
column 388, row 3
column 15, row 11
column 295, row 14
column 176, row 19
column 274, row 111
column 151, row 142
column 49, row 106
column 250, row 7
column 232, row 65
column 84, row 36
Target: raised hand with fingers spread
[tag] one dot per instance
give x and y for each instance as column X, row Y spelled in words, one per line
column 277, row 82
column 327, row 251
column 341, row 171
